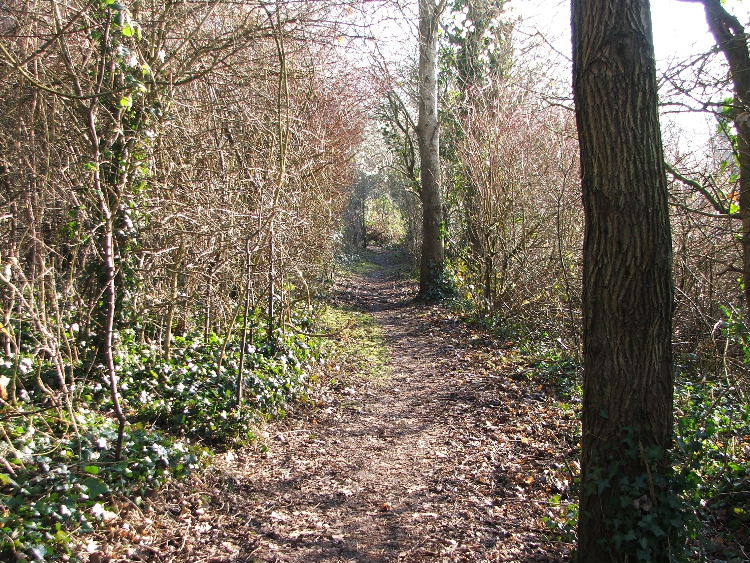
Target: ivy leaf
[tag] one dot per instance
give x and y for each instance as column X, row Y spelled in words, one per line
column 92, row 469
column 96, row 487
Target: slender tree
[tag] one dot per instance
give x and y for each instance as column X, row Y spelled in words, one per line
column 732, row 40
column 627, row 288
column 432, row 265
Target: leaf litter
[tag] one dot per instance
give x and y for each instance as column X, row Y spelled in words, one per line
column 450, row 458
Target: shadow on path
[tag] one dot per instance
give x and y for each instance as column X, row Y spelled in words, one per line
column 451, row 459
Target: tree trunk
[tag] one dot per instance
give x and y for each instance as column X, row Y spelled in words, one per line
column 432, row 265
column 174, row 276
column 731, row 39
column 363, row 222
column 111, row 310
column 245, row 314
column 627, row 288
column 270, row 309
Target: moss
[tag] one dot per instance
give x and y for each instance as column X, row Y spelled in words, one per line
column 360, row 263
column 358, row 346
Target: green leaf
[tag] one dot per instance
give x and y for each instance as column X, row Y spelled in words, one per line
column 92, row 469
column 126, row 102
column 127, row 30
column 96, row 487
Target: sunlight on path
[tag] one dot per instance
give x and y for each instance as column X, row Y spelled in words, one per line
column 451, row 458
column 430, row 466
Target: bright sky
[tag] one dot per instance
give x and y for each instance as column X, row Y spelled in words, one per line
column 680, row 31
column 679, row 27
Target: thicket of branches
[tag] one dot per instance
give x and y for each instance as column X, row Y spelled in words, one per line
column 513, row 215
column 167, row 169
column 194, row 153
column 172, row 176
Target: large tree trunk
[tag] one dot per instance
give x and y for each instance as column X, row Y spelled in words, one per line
column 432, row 265
column 627, row 286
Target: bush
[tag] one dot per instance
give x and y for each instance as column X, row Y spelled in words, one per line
column 62, row 482
column 194, row 393
column 60, row 477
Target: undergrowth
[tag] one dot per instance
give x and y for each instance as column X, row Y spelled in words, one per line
column 58, row 483
column 194, row 393
column 359, row 262
column 711, row 447
column 710, row 455
column 58, row 475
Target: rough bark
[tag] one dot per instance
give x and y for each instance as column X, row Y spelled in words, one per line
column 627, row 284
column 432, row 265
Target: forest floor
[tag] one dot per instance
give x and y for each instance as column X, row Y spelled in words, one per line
column 450, row 452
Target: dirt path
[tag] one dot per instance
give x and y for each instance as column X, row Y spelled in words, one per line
column 450, row 458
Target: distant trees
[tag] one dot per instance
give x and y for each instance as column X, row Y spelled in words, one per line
column 708, row 208
column 509, row 222
column 626, row 512
column 473, row 49
column 398, row 128
column 731, row 39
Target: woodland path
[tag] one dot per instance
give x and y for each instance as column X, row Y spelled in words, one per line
column 451, row 456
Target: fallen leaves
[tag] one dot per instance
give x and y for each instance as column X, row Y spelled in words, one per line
column 453, row 458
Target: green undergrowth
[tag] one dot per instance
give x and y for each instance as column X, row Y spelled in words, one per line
column 710, row 483
column 193, row 393
column 712, row 456
column 711, row 451
column 58, row 474
column 361, row 262
column 60, row 482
